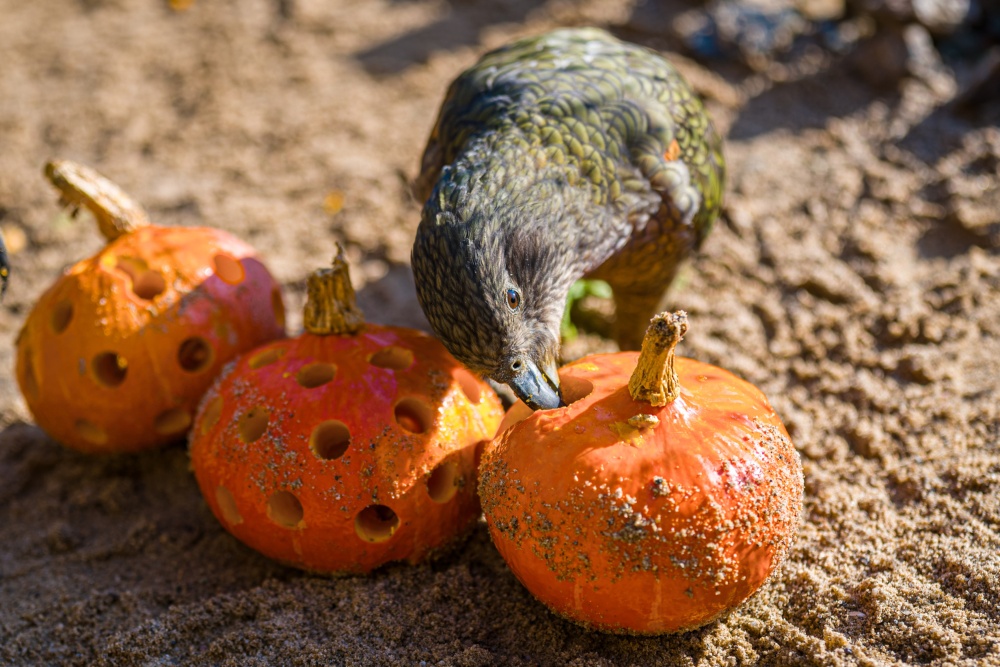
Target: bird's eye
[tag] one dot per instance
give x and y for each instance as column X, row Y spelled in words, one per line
column 513, row 299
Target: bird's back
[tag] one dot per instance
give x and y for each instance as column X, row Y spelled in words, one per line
column 613, row 117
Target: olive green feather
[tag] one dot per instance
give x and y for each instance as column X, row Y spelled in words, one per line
column 561, row 156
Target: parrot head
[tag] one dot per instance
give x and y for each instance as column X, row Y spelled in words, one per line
column 494, row 295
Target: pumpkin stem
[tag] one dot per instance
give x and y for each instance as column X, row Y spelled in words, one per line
column 116, row 213
column 330, row 304
column 654, row 379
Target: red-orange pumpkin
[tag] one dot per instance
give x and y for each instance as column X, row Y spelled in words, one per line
column 643, row 518
column 345, row 448
column 115, row 356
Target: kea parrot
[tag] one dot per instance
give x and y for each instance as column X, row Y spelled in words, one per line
column 564, row 156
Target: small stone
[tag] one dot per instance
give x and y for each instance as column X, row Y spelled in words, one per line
column 942, row 17
column 643, row 421
column 821, row 10
column 881, row 60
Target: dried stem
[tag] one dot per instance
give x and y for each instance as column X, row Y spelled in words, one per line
column 654, row 379
column 116, row 213
column 330, row 304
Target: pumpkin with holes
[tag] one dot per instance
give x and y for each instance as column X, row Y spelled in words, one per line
column 647, row 505
column 345, row 448
column 115, row 356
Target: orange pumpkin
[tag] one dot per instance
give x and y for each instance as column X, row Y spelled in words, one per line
column 347, row 447
column 115, row 356
column 649, row 505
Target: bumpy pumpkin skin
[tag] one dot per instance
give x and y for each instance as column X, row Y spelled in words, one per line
column 175, row 303
column 643, row 531
column 284, row 496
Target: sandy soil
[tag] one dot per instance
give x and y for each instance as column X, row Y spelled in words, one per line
column 855, row 279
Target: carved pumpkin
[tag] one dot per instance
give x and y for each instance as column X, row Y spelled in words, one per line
column 115, row 356
column 648, row 505
column 347, row 447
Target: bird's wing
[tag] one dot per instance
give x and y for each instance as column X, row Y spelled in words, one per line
column 677, row 151
column 526, row 69
column 467, row 104
column 594, row 88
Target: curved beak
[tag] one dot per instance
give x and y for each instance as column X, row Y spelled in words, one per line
column 539, row 390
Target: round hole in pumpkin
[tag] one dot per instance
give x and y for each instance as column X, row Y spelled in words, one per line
column 110, row 368
column 266, row 357
column 228, row 269
column 278, row 306
column 148, row 284
column 376, row 523
column 210, row 415
column 330, row 439
column 442, row 483
column 414, row 415
column 284, row 509
column 470, row 386
column 227, row 505
column 130, row 266
column 195, row 354
column 395, row 358
column 315, row 375
column 253, row 423
column 91, row 432
column 573, row 389
column 172, row 422
column 62, row 315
